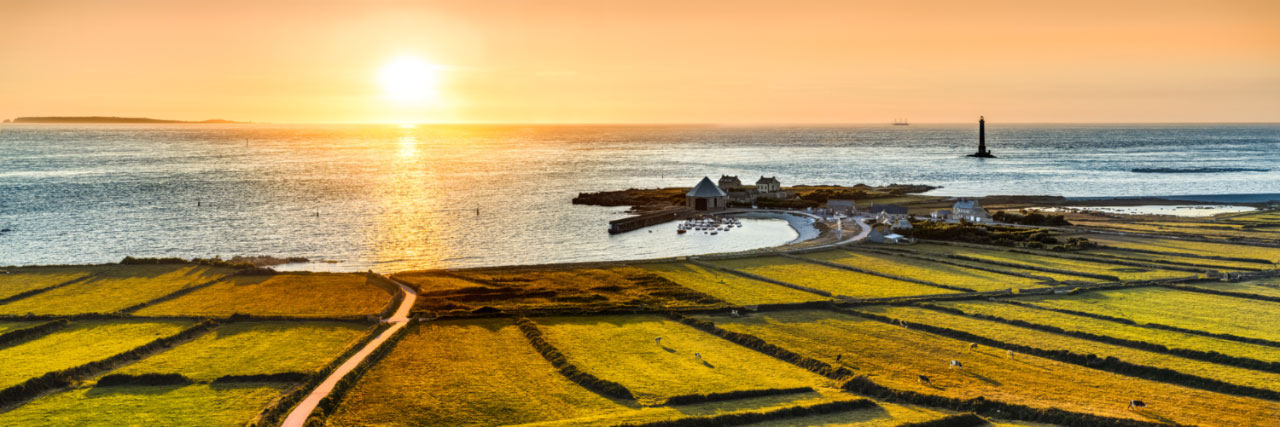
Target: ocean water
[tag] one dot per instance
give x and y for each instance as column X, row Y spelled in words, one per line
column 388, row 197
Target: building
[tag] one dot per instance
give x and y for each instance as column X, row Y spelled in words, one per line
column 969, row 210
column 706, row 196
column 842, row 206
column 902, row 224
column 941, row 214
column 768, row 185
column 983, row 152
column 729, row 183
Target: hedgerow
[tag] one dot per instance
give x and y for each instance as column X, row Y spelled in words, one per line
column 755, row 343
column 26, row 334
column 1229, row 337
column 1109, row 363
column 143, row 379
column 689, row 399
column 992, row 408
column 58, row 379
column 960, row 420
column 282, row 377
column 1206, row 356
column 744, row 418
column 559, row 361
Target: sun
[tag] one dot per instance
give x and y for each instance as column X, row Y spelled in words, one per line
column 408, row 80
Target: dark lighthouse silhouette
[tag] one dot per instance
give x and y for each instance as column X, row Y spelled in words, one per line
column 983, row 152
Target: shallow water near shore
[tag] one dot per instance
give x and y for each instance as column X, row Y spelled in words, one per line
column 392, row 198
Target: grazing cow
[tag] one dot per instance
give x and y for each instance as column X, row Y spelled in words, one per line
column 1010, row 353
column 838, row 356
column 657, row 340
column 697, row 356
column 1135, row 404
column 973, row 346
column 955, row 364
column 923, row 379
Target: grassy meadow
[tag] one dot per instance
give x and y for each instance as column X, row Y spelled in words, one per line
column 1189, row 310
column 291, row 294
column 1123, row 272
column 1175, row 246
column 251, row 348
column 115, row 289
column 944, row 274
column 894, row 356
column 1049, row 341
column 79, row 343
column 830, row 279
column 1090, row 325
column 655, row 371
column 167, row 406
column 19, row 280
column 732, row 288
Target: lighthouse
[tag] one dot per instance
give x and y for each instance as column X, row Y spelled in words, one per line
column 982, row 140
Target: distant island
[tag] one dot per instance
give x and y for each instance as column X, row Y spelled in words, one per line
column 106, row 119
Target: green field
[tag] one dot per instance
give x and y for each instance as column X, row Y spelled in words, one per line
column 894, row 356
column 293, row 294
column 1159, row 258
column 735, row 289
column 834, row 280
column 176, row 406
column 1048, row 261
column 466, row 373
column 81, row 342
column 1265, row 287
column 1049, row 341
column 16, row 325
column 924, row 270
column 19, row 280
column 1191, row 247
column 115, row 289
column 1070, row 322
column 622, row 349
column 429, row 282
column 249, row 348
column 1189, row 310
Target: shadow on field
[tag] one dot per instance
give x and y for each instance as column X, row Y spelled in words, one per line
column 704, row 363
column 1151, row 416
column 980, row 377
column 668, row 349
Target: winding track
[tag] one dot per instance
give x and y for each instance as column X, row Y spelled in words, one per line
column 398, row 320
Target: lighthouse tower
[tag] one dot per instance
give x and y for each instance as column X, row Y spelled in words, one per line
column 982, row 140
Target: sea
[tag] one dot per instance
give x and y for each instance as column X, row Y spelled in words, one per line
column 400, row 197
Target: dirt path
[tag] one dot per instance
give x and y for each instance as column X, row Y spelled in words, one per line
column 398, row 320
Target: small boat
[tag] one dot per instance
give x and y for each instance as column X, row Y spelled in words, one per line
column 713, row 233
column 680, row 231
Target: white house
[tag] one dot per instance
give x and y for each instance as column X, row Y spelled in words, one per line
column 969, row 210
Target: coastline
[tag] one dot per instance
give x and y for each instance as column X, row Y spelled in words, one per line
column 802, row 225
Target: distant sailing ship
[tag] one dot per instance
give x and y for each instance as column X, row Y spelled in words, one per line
column 900, row 122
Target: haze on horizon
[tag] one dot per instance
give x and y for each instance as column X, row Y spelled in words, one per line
column 734, row 62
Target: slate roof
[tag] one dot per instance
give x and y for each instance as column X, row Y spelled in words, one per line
column 889, row 209
column 706, row 188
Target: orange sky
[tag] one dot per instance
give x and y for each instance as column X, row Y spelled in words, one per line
column 648, row 61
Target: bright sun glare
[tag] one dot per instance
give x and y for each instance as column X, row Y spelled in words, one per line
column 408, row 80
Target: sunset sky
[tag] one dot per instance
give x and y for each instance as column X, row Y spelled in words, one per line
column 602, row 61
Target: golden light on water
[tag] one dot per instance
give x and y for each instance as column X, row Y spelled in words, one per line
column 410, row 81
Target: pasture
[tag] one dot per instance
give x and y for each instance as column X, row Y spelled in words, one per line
column 1047, row 260
column 1189, row 310
column 944, row 274
column 79, row 343
column 1090, row 325
column 115, row 289
column 252, row 348
column 24, row 279
column 1175, row 246
column 520, row 288
column 1264, row 287
column 291, row 294
column 894, row 356
column 732, row 288
column 622, row 349
column 1049, row 341
column 481, row 372
column 830, row 279
column 168, row 406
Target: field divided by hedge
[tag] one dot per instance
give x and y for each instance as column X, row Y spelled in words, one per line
column 895, row 356
column 115, row 289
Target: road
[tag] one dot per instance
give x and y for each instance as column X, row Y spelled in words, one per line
column 398, row 320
